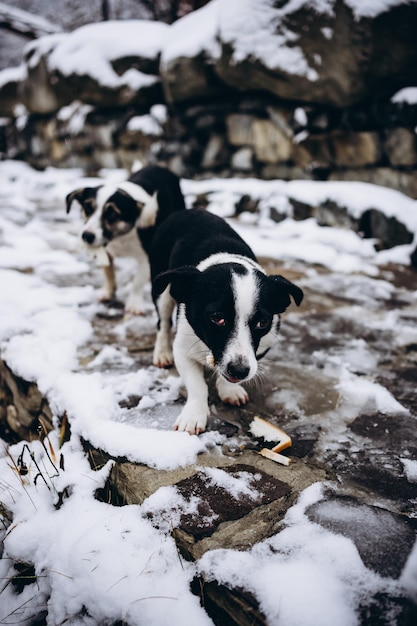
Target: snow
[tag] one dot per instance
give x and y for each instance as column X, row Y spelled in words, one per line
column 12, row 74
column 87, row 51
column 363, row 396
column 341, row 250
column 410, row 467
column 300, row 116
column 78, row 543
column 255, row 29
column 408, row 95
column 327, row 567
column 252, row 28
column 115, row 561
column 237, row 486
column 145, row 124
column 76, row 114
column 194, row 33
column 371, row 8
column 41, row 47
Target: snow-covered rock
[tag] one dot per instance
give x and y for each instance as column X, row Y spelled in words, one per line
column 324, row 52
column 110, row 64
column 319, row 51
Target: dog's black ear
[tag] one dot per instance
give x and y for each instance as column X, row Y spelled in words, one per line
column 74, row 195
column 81, row 195
column 182, row 281
column 280, row 291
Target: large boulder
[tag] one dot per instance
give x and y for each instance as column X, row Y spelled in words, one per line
column 332, row 52
column 335, row 52
column 39, row 90
column 110, row 64
column 187, row 56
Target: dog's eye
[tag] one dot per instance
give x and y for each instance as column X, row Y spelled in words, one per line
column 111, row 216
column 263, row 323
column 218, row 319
column 88, row 208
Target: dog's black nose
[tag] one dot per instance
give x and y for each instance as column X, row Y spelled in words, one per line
column 88, row 237
column 237, row 371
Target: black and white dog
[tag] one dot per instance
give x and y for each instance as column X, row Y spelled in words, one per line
column 123, row 219
column 228, row 309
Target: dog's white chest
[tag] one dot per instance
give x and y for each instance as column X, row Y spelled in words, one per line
column 126, row 246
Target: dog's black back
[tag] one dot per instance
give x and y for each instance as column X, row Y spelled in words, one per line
column 170, row 199
column 188, row 237
column 165, row 183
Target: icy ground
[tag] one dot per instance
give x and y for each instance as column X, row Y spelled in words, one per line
column 343, row 368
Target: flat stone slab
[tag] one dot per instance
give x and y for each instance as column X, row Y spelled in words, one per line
column 226, row 494
column 376, row 456
column 384, row 540
column 230, row 500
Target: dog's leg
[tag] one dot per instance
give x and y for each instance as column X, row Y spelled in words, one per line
column 193, row 417
column 109, row 290
column 134, row 303
column 188, row 352
column 231, row 393
column 162, row 354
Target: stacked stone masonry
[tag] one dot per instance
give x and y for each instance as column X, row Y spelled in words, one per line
column 244, row 136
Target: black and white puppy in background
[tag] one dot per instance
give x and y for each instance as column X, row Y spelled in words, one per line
column 228, row 309
column 123, row 219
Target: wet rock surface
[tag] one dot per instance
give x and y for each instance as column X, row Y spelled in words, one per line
column 371, row 529
column 340, row 433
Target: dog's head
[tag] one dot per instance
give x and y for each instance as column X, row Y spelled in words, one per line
column 111, row 211
column 234, row 309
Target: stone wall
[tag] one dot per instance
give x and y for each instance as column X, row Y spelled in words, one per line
column 242, row 135
column 341, row 104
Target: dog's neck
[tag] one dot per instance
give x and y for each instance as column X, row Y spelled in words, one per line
column 147, row 217
column 149, row 203
column 135, row 191
column 226, row 257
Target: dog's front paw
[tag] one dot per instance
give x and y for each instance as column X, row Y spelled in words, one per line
column 191, row 421
column 131, row 311
column 106, row 296
column 163, row 358
column 162, row 352
column 232, row 393
column 134, row 306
